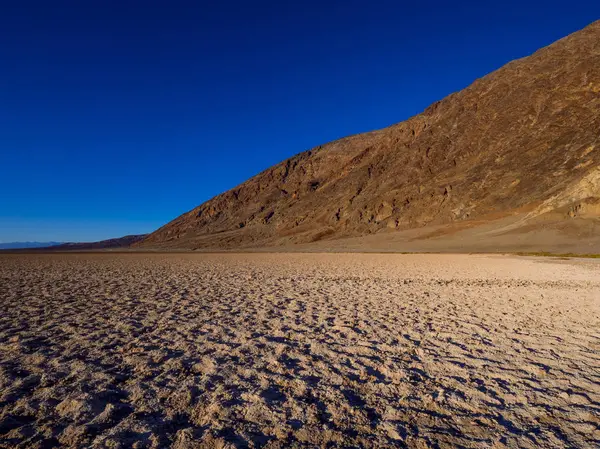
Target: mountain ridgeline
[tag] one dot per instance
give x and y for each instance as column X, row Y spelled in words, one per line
column 521, row 144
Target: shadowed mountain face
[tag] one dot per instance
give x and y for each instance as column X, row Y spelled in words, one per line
column 116, row 243
column 524, row 141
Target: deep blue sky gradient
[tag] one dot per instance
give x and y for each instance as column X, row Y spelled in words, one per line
column 117, row 116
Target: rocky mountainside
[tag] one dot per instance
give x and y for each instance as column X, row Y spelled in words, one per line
column 522, row 142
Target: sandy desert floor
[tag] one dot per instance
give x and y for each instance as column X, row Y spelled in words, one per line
column 298, row 350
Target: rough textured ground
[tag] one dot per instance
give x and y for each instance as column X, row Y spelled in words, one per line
column 298, row 350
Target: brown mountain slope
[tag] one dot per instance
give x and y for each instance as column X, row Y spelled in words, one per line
column 523, row 141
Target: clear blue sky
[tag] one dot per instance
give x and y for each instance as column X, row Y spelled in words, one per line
column 117, row 116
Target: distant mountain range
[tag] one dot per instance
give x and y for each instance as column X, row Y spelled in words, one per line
column 24, row 245
column 116, row 243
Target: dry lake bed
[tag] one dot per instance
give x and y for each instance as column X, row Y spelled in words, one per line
column 298, row 350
